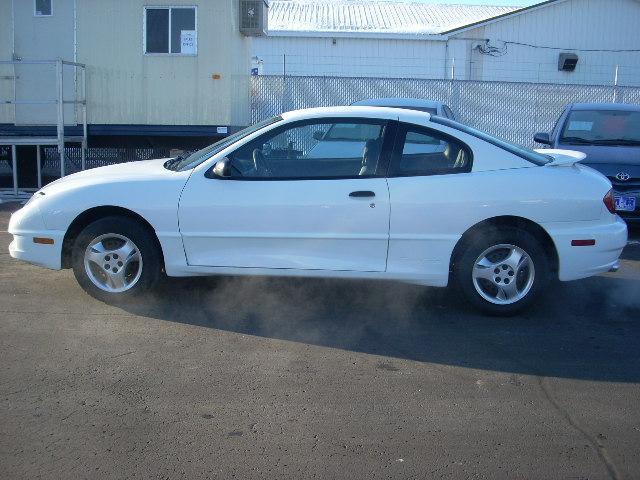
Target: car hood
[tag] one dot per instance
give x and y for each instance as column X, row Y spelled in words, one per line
column 120, row 172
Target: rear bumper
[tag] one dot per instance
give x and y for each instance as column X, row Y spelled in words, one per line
column 582, row 262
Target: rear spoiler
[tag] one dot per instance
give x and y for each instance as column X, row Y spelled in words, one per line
column 562, row 158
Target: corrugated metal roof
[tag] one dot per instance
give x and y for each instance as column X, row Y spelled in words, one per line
column 371, row 16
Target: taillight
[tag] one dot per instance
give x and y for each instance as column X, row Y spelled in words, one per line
column 609, row 202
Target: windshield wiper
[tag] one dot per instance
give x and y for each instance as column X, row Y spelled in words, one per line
column 617, row 141
column 576, row 141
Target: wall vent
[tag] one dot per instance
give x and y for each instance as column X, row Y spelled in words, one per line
column 254, row 17
column 567, row 62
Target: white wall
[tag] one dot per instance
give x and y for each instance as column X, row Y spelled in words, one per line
column 580, row 24
column 128, row 87
column 6, row 42
column 350, row 56
column 577, row 24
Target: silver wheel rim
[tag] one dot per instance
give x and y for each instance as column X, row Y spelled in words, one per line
column 113, row 263
column 503, row 274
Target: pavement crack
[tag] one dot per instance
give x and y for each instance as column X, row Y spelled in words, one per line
column 123, row 354
column 601, row 450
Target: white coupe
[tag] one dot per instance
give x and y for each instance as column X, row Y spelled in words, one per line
column 424, row 200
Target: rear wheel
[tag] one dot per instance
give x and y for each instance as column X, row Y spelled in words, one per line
column 115, row 258
column 502, row 271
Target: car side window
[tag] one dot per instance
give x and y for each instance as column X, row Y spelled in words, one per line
column 427, row 152
column 326, row 148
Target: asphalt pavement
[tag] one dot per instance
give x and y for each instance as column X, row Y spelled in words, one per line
column 293, row 378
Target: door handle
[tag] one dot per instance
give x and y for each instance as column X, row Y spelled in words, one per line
column 362, row 194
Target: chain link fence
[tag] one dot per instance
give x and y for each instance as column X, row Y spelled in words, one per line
column 512, row 111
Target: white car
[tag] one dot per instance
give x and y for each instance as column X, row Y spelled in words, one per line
column 497, row 221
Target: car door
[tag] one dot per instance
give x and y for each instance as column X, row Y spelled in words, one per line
column 425, row 185
column 286, row 206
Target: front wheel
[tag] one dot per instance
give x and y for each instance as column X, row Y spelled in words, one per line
column 503, row 271
column 115, row 258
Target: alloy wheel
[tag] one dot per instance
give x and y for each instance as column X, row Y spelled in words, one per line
column 503, row 274
column 113, row 263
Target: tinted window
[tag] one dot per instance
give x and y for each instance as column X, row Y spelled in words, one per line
column 182, row 20
column 351, row 132
column 604, row 127
column 182, row 39
column 426, row 152
column 312, row 149
column 157, row 30
column 43, row 8
column 522, row 152
column 432, row 111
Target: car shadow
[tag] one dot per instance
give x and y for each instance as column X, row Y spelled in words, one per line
column 589, row 329
column 583, row 330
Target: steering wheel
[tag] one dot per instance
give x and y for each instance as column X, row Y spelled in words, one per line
column 260, row 163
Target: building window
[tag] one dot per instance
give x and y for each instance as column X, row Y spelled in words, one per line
column 170, row 30
column 43, row 8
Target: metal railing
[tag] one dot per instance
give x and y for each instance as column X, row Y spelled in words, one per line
column 59, row 101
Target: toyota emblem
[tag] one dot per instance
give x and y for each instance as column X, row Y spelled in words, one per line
column 623, row 176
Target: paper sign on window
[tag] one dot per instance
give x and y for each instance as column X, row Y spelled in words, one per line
column 188, row 41
column 578, row 126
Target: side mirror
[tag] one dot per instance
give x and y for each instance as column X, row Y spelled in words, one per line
column 542, row 138
column 222, row 168
column 318, row 135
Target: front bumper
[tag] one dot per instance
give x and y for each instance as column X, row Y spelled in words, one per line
column 27, row 224
column 587, row 261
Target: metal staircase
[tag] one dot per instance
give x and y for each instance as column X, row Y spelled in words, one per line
column 60, row 139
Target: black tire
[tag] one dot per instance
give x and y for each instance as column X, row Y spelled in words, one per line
column 478, row 243
column 139, row 235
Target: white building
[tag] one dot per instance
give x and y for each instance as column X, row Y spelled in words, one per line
column 378, row 38
column 162, row 63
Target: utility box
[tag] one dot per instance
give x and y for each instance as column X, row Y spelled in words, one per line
column 567, row 62
column 254, row 17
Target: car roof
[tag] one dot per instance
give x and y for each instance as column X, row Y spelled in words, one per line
column 605, row 106
column 400, row 102
column 388, row 113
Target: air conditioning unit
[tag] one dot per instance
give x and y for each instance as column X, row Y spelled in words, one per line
column 567, row 62
column 254, row 17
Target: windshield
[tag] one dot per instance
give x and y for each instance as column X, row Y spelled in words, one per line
column 196, row 158
column 522, row 152
column 602, row 127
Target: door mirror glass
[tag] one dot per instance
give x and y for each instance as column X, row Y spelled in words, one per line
column 542, row 138
column 222, row 169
